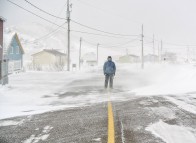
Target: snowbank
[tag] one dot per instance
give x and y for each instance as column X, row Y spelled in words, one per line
column 172, row 133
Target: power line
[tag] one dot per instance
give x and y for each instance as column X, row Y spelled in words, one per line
column 33, row 13
column 100, row 30
column 109, row 45
column 169, row 43
column 131, row 46
column 109, row 12
column 59, row 13
column 104, row 45
column 46, row 35
column 50, row 33
column 120, row 45
column 93, row 44
column 84, row 32
column 44, row 10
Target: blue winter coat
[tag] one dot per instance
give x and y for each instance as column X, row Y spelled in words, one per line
column 109, row 68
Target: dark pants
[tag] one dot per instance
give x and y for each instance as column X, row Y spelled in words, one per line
column 109, row 78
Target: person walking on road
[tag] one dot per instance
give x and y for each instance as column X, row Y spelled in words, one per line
column 109, row 70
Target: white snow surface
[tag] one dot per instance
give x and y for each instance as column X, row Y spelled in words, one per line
column 25, row 93
column 172, row 133
column 183, row 104
column 10, row 123
column 43, row 136
column 33, row 92
column 164, row 112
column 165, row 79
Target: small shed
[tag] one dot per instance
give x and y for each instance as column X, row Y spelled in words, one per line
column 129, row 59
column 49, row 58
column 14, row 52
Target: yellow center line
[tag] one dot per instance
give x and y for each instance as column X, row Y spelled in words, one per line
column 111, row 133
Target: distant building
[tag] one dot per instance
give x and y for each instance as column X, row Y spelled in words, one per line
column 14, row 52
column 3, row 60
column 129, row 59
column 49, row 59
column 151, row 58
column 168, row 56
column 89, row 59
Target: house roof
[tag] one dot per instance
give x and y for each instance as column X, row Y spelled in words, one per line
column 7, row 40
column 51, row 51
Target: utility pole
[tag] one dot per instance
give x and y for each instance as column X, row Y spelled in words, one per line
column 153, row 46
column 68, row 36
column 158, row 52
column 161, row 50
column 187, row 53
column 97, row 53
column 80, row 52
column 142, row 54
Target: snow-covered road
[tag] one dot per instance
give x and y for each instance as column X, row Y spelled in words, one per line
column 77, row 105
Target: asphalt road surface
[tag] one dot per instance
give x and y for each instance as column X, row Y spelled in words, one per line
column 89, row 124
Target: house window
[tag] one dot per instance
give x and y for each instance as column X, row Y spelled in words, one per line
column 17, row 50
column 12, row 50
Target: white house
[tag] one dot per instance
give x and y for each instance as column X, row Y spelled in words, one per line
column 49, row 59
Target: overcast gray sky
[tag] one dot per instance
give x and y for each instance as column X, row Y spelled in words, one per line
column 173, row 21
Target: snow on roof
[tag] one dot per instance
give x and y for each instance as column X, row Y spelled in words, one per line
column 7, row 38
column 54, row 52
column 51, row 51
column 90, row 57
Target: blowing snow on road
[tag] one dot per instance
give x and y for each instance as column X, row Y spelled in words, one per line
column 97, row 71
column 75, row 108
